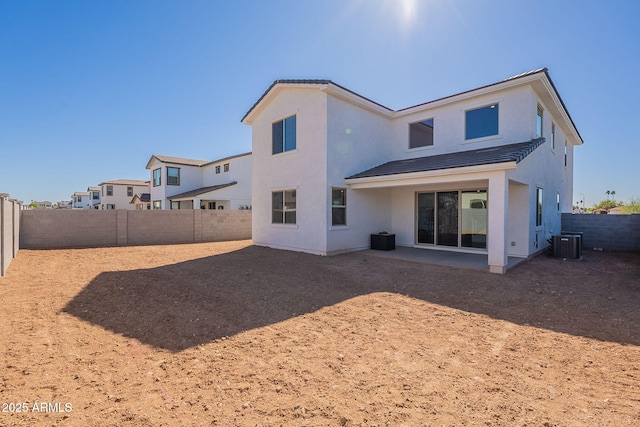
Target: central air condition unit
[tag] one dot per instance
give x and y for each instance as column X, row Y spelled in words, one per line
column 567, row 246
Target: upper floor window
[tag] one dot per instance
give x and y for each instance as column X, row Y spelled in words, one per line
column 226, row 167
column 284, row 135
column 283, row 207
column 129, row 191
column 421, row 134
column 156, row 177
column 566, row 154
column 481, row 122
column 95, row 195
column 217, row 169
column 553, row 136
column 539, row 116
column 173, row 176
column 109, row 190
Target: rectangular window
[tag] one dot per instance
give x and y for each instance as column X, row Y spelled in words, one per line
column 338, row 206
column 538, row 207
column 156, row 177
column 481, row 122
column 111, row 207
column 539, row 115
column 156, row 204
column 283, row 207
column 175, row 205
column 558, row 202
column 217, row 169
column 109, row 190
column 129, row 191
column 226, row 167
column 421, row 134
column 212, row 205
column 173, row 176
column 566, row 153
column 553, row 136
column 95, row 195
column 284, row 135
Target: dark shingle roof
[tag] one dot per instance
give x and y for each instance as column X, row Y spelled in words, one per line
column 202, row 190
column 483, row 156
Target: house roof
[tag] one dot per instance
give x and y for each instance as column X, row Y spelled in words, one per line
column 190, row 162
column 93, row 188
column 132, row 182
column 143, row 197
column 540, row 71
column 201, row 190
column 484, row 156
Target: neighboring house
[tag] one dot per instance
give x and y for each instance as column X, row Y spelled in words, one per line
column 94, row 196
column 179, row 183
column 43, row 205
column 81, row 200
column 142, row 201
column 117, row 194
column 65, row 204
column 487, row 170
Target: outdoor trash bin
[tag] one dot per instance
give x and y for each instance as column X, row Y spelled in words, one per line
column 383, row 241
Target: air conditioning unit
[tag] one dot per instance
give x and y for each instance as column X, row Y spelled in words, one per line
column 567, row 246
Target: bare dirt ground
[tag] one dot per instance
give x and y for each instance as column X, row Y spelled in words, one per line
column 227, row 334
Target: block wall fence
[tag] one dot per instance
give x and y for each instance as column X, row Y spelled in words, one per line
column 606, row 232
column 9, row 231
column 52, row 229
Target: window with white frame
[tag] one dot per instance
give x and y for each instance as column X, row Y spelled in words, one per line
column 338, row 206
column 284, row 135
column 481, row 122
column 283, row 207
column 173, row 176
column 421, row 134
column 157, row 177
column 538, row 207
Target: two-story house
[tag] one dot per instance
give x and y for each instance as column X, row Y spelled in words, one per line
column 81, row 200
column 94, row 196
column 487, row 170
column 117, row 194
column 179, row 183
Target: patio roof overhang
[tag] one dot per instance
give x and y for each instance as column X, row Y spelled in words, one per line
column 461, row 174
column 200, row 193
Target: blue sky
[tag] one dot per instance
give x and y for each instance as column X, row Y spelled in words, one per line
column 89, row 90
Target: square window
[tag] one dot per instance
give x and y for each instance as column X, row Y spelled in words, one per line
column 156, row 177
column 284, row 135
column 283, row 207
column 175, row 205
column 156, row 204
column 421, row 134
column 481, row 122
column 338, row 206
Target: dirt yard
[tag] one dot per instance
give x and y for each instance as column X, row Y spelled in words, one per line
column 227, row 334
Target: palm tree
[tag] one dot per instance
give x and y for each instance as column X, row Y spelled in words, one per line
column 607, row 193
column 613, row 194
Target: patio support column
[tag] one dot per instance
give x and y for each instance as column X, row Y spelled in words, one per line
column 497, row 228
column 196, row 203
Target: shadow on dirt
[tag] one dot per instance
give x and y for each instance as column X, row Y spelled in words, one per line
column 183, row 305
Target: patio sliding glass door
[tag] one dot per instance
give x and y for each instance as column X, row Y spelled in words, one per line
column 452, row 218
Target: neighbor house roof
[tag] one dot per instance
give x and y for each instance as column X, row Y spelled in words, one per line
column 132, row 182
column 499, row 154
column 202, row 190
column 143, row 197
column 190, row 162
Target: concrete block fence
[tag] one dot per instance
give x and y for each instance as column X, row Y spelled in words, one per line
column 51, row 229
column 606, row 232
column 9, row 231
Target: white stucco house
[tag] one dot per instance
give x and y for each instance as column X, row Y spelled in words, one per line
column 488, row 170
column 117, row 194
column 179, row 183
column 81, row 200
column 94, row 196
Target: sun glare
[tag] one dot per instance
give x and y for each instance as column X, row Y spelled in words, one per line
column 408, row 10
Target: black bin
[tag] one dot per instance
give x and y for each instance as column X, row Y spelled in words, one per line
column 383, row 241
